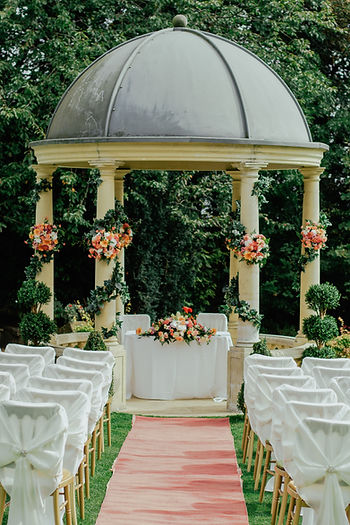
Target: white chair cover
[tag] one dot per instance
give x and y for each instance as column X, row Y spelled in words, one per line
column 310, row 362
column 96, row 378
column 47, row 352
column 131, row 323
column 49, row 383
column 280, row 397
column 263, row 405
column 213, row 320
column 250, row 385
column 4, row 393
column 20, row 373
column 320, row 467
column 32, row 441
column 77, row 407
column 104, row 368
column 7, row 379
column 35, row 363
column 265, row 360
column 324, row 376
column 90, row 355
column 341, row 387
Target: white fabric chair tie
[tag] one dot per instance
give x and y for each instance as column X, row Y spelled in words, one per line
column 31, row 455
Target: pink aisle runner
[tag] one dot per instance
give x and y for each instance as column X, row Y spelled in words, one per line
column 175, row 470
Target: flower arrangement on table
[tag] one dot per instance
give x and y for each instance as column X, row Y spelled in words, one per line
column 78, row 318
column 109, row 235
column 178, row 327
column 43, row 238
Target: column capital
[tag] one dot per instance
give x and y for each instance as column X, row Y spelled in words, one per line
column 107, row 166
column 234, row 174
column 312, row 173
column 120, row 174
column 251, row 168
column 44, row 171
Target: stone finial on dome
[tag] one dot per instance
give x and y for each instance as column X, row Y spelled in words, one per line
column 180, row 21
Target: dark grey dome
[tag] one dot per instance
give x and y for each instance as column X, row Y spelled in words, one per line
column 179, row 84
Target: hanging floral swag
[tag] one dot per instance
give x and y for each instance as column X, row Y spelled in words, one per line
column 252, row 248
column 109, row 235
column 313, row 239
column 240, row 307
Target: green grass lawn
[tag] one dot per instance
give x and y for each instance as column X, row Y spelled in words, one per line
column 259, row 514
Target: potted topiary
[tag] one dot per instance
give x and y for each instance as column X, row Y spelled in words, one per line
column 321, row 327
column 35, row 326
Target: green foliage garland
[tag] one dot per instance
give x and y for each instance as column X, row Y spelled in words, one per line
column 240, row 307
column 111, row 289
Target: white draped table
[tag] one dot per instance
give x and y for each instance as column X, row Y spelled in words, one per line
column 176, row 370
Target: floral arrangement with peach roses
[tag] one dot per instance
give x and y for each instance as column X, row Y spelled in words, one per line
column 178, row 327
column 252, row 248
column 313, row 236
column 43, row 238
column 109, row 235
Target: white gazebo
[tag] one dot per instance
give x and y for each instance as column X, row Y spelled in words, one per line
column 182, row 99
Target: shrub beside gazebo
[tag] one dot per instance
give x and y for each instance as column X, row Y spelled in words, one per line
column 181, row 99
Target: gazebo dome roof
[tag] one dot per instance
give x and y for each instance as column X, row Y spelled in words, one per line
column 179, row 84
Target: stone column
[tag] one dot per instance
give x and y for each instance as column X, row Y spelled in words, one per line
column 119, row 195
column 104, row 269
column 248, row 283
column 44, row 210
column 311, row 211
column 236, row 195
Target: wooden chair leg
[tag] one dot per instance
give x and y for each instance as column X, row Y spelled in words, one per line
column 259, row 465
column 109, row 422
column 284, row 501
column 56, row 508
column 86, row 479
column 67, row 497
column 275, row 496
column 100, row 442
column 93, row 452
column 266, row 471
column 2, row 502
column 250, row 450
column 81, row 499
column 245, row 427
column 246, row 442
column 290, row 510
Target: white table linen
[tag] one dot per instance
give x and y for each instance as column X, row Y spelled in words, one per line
column 289, row 393
column 96, row 378
column 32, row 441
column 176, row 370
column 341, row 387
column 20, row 373
column 309, row 363
column 7, row 379
column 131, row 322
column 4, row 393
column 320, row 467
column 47, row 352
column 77, row 407
column 35, row 363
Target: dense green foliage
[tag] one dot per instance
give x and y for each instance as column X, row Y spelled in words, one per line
column 320, row 329
column 33, row 294
column 178, row 255
column 325, row 352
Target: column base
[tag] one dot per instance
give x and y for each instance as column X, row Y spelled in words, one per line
column 235, row 368
column 119, row 375
column 300, row 339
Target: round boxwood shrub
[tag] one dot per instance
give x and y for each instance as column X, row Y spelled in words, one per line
column 95, row 342
column 326, row 352
column 320, row 329
column 322, row 297
column 36, row 328
column 33, row 294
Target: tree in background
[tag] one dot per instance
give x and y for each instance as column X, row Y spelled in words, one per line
column 46, row 43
